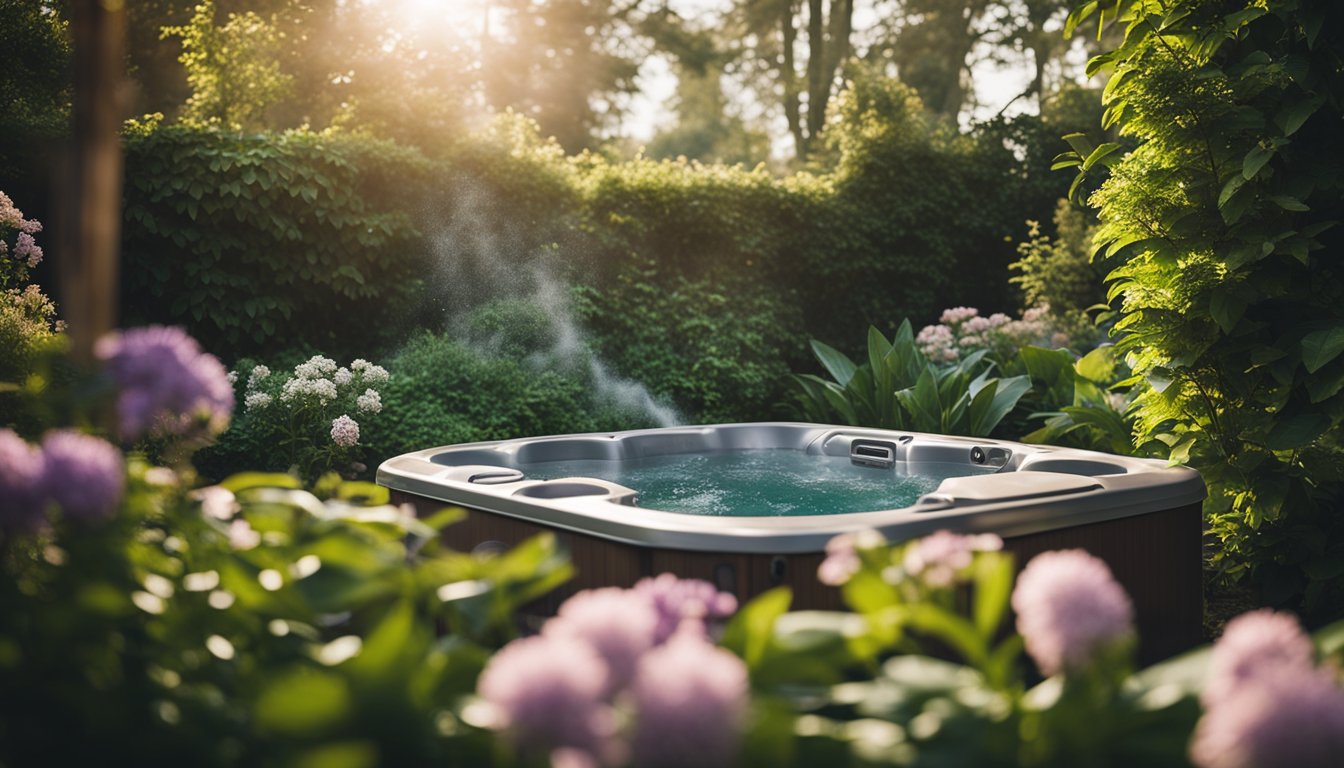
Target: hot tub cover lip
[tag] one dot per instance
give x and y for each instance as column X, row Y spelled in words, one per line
column 1034, row 492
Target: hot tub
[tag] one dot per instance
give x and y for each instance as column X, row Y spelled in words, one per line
column 751, row 506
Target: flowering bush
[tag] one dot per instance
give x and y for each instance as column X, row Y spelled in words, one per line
column 22, row 253
column 28, row 324
column 307, row 414
column 962, row 331
column 832, row 681
column 253, row 621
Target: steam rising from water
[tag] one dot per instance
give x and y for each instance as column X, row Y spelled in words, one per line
column 477, row 260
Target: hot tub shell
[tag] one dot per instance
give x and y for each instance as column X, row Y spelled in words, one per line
column 1140, row 516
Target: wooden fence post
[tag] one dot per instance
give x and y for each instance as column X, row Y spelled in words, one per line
column 89, row 239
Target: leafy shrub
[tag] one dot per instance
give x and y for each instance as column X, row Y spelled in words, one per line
column 914, row 210
column 267, row 241
column 899, row 388
column 443, row 392
column 1058, row 271
column 1222, row 231
column 1083, row 400
column 932, row 677
column 719, row 353
column 309, row 419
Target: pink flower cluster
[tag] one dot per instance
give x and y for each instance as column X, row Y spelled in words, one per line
column 1069, row 610
column 559, row 693
column 1266, row 702
column 81, row 475
column 962, row 330
column 344, row 431
column 27, row 253
column 842, row 556
column 938, row 559
column 168, row 386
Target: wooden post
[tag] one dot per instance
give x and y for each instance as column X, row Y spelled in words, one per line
column 89, row 238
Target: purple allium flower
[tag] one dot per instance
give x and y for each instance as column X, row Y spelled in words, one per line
column 677, row 600
column 938, row 558
column 21, row 498
column 344, row 431
column 546, row 691
column 690, row 701
column 85, row 475
column 1294, row 718
column 1068, row 608
column 167, row 383
column 619, row 624
column 1259, row 644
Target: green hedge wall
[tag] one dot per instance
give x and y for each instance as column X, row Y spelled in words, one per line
column 703, row 281
column 260, row 242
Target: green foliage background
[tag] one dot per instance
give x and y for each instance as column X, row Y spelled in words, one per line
column 1222, row 232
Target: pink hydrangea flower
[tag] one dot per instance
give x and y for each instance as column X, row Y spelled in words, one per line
column 842, row 556
column 1256, row 645
column 619, row 624
column 690, row 702
column 677, row 601
column 939, row 558
column 344, row 431
column 547, row 693
column 167, row 383
column 955, row 315
column 1293, row 718
column 84, row 475
column 21, row 492
column 1069, row 608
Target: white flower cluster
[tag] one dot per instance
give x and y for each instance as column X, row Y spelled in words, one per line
column 299, row 388
column 317, row 367
column 371, row 374
column 316, row 390
column 255, row 400
column 369, row 402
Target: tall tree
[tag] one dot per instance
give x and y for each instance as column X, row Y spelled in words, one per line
column 708, row 127
column 568, row 64
column 780, row 31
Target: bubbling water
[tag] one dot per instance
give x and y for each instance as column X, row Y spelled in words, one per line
column 755, row 483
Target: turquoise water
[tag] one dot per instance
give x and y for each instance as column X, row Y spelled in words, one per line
column 758, row 483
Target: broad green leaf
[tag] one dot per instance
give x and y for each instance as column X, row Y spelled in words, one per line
column 748, row 633
column 1254, row 161
column 1320, row 347
column 836, row 363
column 1101, row 155
column 1081, row 143
column 302, row 702
column 1098, row 365
column 1226, row 310
column 1294, row 114
column 1230, row 188
column 247, row 480
column 1296, row 431
column 993, row 584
